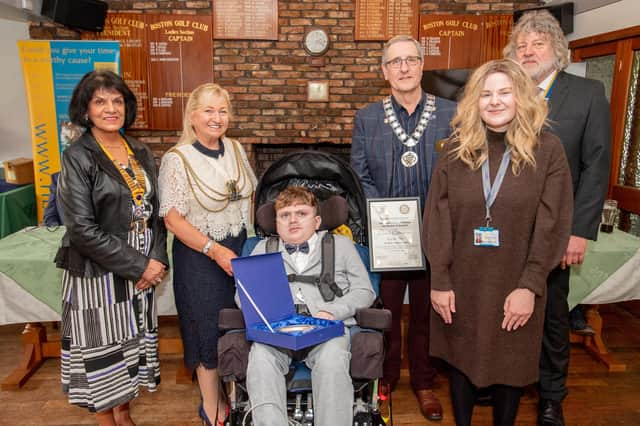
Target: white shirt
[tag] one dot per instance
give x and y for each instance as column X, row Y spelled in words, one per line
column 186, row 197
column 299, row 258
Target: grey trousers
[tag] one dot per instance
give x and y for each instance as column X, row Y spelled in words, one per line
column 330, row 381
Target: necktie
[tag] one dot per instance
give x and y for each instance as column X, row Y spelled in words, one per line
column 292, row 248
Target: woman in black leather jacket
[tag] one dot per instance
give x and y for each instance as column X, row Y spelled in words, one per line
column 113, row 254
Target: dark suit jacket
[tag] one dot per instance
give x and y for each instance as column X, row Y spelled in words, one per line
column 372, row 146
column 579, row 115
column 52, row 215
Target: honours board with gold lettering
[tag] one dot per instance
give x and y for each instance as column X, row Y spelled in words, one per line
column 384, row 19
column 163, row 58
column 463, row 41
column 245, row 19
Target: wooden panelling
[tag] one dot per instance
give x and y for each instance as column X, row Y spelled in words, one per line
column 628, row 198
column 463, row 41
column 606, row 37
column 163, row 58
column 179, row 61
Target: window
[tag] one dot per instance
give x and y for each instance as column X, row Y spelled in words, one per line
column 614, row 59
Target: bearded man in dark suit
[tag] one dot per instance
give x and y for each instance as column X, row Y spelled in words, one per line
column 393, row 151
column 579, row 115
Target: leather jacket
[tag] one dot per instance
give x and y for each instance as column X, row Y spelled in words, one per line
column 96, row 206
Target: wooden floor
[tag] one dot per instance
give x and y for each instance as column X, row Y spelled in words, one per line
column 596, row 396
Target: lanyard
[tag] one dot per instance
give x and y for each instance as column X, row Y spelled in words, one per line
column 491, row 191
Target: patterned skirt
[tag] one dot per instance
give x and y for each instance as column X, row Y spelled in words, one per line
column 109, row 337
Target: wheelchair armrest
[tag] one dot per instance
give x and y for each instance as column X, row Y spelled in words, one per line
column 230, row 319
column 378, row 319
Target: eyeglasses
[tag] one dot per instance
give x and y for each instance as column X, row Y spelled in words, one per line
column 411, row 61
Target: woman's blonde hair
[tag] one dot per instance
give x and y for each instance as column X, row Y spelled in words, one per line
column 470, row 132
column 197, row 99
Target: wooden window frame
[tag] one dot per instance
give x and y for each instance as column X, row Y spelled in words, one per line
column 622, row 44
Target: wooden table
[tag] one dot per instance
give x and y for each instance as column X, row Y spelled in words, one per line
column 610, row 273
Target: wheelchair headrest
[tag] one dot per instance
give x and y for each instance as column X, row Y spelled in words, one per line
column 334, row 212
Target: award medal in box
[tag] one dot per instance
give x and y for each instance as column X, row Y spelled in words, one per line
column 268, row 309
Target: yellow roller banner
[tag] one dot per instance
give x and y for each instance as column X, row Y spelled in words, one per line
column 51, row 70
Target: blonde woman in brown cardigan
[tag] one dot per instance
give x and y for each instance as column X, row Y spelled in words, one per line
column 490, row 260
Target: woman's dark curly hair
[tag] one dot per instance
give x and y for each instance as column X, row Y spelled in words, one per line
column 92, row 81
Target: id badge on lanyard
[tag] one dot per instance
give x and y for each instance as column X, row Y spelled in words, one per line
column 488, row 236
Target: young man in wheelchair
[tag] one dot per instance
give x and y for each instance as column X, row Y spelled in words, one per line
column 297, row 224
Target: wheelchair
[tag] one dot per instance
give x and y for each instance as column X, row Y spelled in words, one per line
column 342, row 203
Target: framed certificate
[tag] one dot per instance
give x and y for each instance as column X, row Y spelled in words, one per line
column 395, row 227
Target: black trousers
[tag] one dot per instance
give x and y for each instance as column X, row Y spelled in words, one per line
column 554, row 359
column 422, row 368
column 505, row 399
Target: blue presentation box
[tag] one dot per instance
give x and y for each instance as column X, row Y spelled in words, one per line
column 264, row 278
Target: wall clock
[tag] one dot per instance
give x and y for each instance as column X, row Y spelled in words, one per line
column 316, row 41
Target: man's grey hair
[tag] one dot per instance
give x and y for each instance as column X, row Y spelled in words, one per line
column 543, row 22
column 398, row 39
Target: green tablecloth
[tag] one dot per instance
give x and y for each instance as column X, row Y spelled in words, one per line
column 17, row 209
column 27, row 258
column 603, row 258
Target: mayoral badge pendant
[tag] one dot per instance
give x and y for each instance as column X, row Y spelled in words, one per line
column 409, row 159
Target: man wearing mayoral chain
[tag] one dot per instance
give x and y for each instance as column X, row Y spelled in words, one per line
column 393, row 152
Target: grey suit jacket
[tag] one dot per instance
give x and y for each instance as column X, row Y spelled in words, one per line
column 372, row 146
column 580, row 116
column 350, row 275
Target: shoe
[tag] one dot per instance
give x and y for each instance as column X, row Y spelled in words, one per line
column 484, row 397
column 550, row 413
column 586, row 331
column 579, row 323
column 429, row 404
column 205, row 419
column 203, row 416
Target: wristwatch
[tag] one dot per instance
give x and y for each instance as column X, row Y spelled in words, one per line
column 207, row 246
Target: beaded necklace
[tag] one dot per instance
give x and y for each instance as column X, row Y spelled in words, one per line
column 136, row 183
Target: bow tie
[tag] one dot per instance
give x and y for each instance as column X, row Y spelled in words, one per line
column 292, row 248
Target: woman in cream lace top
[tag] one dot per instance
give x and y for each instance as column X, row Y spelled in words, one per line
column 206, row 187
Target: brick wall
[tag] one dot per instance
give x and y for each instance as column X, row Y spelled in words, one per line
column 268, row 79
